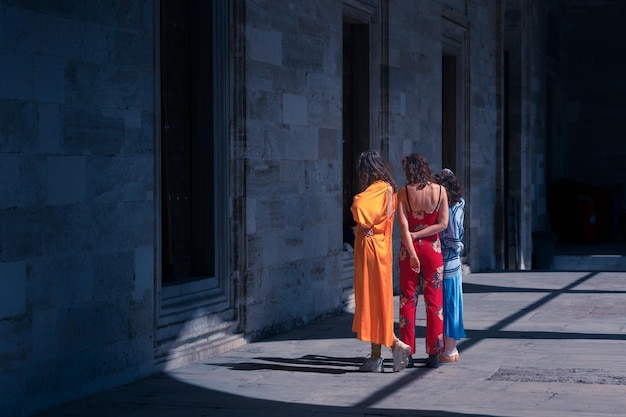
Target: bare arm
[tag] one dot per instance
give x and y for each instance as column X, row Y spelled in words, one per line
column 405, row 233
column 442, row 219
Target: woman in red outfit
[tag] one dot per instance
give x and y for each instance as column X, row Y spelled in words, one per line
column 422, row 214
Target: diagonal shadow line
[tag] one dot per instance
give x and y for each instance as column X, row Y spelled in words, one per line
column 524, row 334
column 468, row 343
column 594, row 292
column 482, row 334
column 481, row 289
column 484, row 289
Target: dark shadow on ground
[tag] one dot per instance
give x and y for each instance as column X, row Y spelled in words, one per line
column 161, row 395
column 479, row 335
column 309, row 363
column 485, row 289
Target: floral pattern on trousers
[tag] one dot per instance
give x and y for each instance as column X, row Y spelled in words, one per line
column 431, row 273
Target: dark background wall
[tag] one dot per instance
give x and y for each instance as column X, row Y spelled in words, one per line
column 588, row 192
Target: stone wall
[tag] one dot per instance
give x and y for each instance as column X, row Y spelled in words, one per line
column 294, row 87
column 78, row 150
column 416, row 39
column 294, row 178
column 481, row 165
column 76, row 199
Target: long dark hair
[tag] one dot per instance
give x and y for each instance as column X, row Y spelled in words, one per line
column 454, row 188
column 417, row 171
column 373, row 167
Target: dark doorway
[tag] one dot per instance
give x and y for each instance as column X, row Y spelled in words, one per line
column 187, row 141
column 449, row 114
column 511, row 231
column 356, row 112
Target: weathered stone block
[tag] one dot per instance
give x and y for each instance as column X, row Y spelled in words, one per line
column 266, row 46
column 18, row 124
column 9, row 186
column 66, row 179
column 12, row 289
column 295, row 110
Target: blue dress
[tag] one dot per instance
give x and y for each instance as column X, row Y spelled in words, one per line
column 452, row 247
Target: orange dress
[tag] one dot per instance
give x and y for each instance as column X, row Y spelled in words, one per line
column 374, row 209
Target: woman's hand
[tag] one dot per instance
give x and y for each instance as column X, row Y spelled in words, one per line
column 415, row 264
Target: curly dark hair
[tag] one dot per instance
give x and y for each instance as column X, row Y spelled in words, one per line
column 417, row 171
column 373, row 167
column 455, row 190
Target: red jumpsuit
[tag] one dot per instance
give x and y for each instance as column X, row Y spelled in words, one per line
column 431, row 270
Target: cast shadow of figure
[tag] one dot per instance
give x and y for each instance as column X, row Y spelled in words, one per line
column 309, row 363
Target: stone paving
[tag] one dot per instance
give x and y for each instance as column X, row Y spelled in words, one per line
column 539, row 344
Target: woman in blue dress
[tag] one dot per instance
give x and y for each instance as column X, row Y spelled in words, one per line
column 452, row 247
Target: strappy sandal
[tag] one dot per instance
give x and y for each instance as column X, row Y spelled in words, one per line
column 448, row 359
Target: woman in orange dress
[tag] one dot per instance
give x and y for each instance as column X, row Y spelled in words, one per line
column 373, row 210
column 422, row 214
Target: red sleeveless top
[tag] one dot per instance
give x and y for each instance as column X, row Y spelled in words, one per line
column 419, row 220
